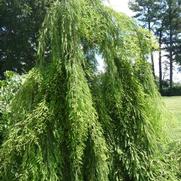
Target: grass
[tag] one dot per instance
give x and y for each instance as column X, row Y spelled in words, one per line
column 173, row 105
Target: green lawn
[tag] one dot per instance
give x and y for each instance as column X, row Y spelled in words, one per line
column 174, row 106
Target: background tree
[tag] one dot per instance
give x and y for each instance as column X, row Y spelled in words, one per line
column 20, row 23
column 172, row 33
column 165, row 20
column 146, row 13
column 159, row 29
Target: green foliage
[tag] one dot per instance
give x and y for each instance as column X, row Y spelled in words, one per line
column 20, row 24
column 147, row 11
column 174, row 91
column 8, row 89
column 70, row 123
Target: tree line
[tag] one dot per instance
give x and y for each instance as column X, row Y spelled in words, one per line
column 163, row 18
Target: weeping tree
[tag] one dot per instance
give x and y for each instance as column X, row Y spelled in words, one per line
column 71, row 122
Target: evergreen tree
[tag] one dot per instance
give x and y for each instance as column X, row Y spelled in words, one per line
column 147, row 14
column 159, row 32
column 163, row 19
column 70, row 123
column 172, row 33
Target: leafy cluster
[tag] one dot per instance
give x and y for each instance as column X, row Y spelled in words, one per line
column 8, row 88
column 70, row 123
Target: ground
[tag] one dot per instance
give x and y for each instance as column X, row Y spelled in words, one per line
column 173, row 104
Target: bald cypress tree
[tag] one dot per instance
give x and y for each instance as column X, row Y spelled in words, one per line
column 71, row 123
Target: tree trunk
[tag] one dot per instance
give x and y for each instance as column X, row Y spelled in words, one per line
column 171, row 63
column 160, row 61
column 171, row 46
column 152, row 58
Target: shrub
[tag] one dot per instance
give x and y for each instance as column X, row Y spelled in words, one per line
column 174, row 91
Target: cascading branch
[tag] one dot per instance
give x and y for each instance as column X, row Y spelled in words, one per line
column 71, row 123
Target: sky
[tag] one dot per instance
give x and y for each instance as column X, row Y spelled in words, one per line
column 122, row 6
